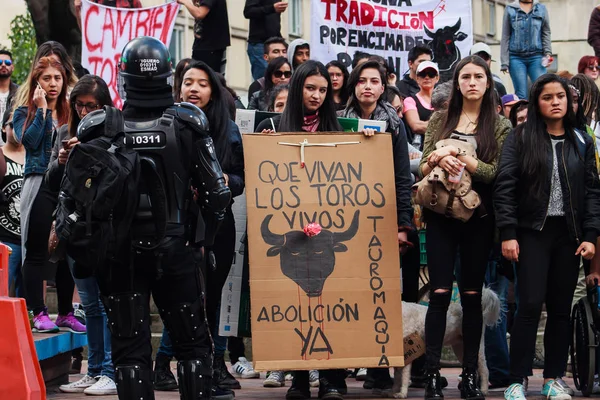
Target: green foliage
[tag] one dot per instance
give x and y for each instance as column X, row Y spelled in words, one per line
column 23, row 46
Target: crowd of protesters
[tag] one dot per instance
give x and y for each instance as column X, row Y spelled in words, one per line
column 534, row 165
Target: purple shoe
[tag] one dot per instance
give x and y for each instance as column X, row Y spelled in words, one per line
column 43, row 324
column 70, row 322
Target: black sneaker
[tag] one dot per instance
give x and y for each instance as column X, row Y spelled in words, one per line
column 221, row 376
column 300, row 389
column 164, row 380
column 382, row 382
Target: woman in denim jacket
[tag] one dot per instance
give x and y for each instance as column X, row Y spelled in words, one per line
column 525, row 42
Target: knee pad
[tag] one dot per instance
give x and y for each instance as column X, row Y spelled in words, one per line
column 134, row 382
column 195, row 378
column 440, row 300
column 186, row 322
column 125, row 312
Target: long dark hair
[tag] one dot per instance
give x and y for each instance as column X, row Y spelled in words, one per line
column 589, row 96
column 344, row 89
column 354, row 78
column 282, row 87
column 178, row 77
column 533, row 137
column 217, row 113
column 487, row 146
column 87, row 85
column 293, row 115
column 273, row 66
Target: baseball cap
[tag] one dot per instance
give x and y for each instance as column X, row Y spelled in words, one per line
column 509, row 99
column 427, row 65
column 481, row 48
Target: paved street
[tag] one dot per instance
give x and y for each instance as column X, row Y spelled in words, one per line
column 252, row 390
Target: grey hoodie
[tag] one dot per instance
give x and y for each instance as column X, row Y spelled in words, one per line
column 292, row 49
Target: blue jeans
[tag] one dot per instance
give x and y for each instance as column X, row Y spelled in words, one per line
column 257, row 62
column 496, row 347
column 520, row 68
column 166, row 346
column 15, row 260
column 99, row 350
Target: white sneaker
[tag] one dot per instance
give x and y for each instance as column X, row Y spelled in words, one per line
column 104, row 386
column 289, row 377
column 243, row 369
column 596, row 387
column 313, row 378
column 361, row 375
column 566, row 387
column 275, row 379
column 78, row 386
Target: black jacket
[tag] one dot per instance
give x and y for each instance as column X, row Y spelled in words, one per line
column 408, row 86
column 516, row 208
column 264, row 21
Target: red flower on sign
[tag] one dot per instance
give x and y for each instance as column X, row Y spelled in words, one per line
column 312, row 229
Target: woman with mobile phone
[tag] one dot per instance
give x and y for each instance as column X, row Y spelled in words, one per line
column 45, row 110
column 547, row 201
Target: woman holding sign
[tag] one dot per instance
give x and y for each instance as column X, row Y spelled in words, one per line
column 309, row 108
column 367, row 85
column 471, row 117
column 202, row 87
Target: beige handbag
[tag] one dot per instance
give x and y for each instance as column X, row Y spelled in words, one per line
column 436, row 193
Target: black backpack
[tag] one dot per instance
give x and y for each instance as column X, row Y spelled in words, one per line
column 99, row 193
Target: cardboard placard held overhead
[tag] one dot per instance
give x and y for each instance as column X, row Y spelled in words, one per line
column 328, row 299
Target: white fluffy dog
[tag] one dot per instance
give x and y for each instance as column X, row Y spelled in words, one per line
column 413, row 320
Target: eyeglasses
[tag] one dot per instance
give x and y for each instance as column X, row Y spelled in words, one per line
column 8, row 63
column 89, row 107
column 593, row 67
column 279, row 74
column 427, row 73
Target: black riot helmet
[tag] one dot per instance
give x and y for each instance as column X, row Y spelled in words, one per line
column 145, row 58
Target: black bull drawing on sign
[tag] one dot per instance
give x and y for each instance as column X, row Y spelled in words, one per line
column 445, row 52
column 308, row 261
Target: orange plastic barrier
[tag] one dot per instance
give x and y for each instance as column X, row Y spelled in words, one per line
column 19, row 367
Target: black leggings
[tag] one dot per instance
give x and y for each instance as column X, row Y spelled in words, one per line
column 547, row 272
column 473, row 240
column 36, row 264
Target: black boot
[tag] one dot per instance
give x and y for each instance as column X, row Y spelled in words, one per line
column 330, row 385
column 134, row 382
column 221, row 376
column 382, row 381
column 433, row 386
column 164, row 380
column 195, row 381
column 300, row 389
column 469, row 389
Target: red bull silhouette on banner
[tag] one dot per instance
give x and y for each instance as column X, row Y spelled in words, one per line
column 324, row 262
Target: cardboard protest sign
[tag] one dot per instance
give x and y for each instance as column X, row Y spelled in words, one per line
column 390, row 28
column 330, row 292
column 106, row 30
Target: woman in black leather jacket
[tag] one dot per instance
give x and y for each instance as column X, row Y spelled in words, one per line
column 547, row 202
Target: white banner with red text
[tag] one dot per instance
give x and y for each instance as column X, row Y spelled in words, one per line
column 390, row 28
column 106, row 30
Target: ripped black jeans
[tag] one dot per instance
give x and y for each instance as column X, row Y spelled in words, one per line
column 473, row 241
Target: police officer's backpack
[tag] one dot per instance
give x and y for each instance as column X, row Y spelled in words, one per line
column 99, row 192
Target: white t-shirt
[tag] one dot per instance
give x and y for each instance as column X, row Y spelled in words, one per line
column 3, row 101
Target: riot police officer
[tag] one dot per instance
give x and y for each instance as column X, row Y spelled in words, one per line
column 169, row 231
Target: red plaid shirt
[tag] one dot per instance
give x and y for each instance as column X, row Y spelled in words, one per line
column 120, row 3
